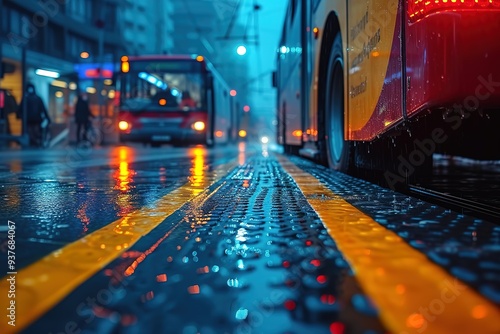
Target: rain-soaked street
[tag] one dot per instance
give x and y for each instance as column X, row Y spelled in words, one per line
column 236, row 239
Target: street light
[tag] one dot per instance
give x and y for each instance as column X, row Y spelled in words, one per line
column 241, row 50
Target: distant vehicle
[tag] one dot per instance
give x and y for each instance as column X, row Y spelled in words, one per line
column 383, row 84
column 152, row 109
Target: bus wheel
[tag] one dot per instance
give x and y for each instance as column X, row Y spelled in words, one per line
column 338, row 150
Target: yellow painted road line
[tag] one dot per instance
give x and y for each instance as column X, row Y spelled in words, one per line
column 413, row 294
column 43, row 284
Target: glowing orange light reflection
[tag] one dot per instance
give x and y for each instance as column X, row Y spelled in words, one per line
column 203, row 270
column 123, row 178
column 194, row 289
column 416, row 320
column 161, row 278
column 479, row 312
column 241, row 154
column 197, row 177
column 82, row 215
column 124, row 175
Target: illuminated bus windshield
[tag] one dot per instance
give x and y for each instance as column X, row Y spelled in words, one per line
column 163, row 85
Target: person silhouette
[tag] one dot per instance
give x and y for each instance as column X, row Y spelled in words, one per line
column 36, row 114
column 82, row 117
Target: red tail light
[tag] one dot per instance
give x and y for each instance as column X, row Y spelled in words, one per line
column 418, row 9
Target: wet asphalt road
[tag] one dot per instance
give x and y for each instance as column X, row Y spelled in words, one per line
column 59, row 196
column 190, row 240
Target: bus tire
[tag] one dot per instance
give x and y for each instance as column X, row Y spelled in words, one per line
column 339, row 152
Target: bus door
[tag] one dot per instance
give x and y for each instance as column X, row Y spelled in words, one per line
column 310, row 115
column 293, row 116
column 211, row 108
column 375, row 67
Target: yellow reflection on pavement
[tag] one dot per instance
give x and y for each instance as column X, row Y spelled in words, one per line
column 46, row 282
column 197, row 170
column 413, row 294
column 124, row 175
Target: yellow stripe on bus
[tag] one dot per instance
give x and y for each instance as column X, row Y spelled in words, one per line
column 43, row 284
column 413, row 294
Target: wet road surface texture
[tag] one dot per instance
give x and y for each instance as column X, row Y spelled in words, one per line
column 234, row 240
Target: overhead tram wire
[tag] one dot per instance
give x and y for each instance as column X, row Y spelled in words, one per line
column 234, row 16
column 249, row 39
column 206, row 44
column 256, row 8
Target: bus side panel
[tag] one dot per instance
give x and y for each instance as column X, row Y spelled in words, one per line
column 374, row 67
column 451, row 57
column 222, row 107
column 321, row 10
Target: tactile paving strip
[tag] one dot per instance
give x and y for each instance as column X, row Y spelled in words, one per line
column 466, row 247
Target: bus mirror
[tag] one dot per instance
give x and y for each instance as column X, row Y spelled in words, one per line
column 275, row 79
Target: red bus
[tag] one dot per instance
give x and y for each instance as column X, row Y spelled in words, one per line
column 385, row 84
column 176, row 99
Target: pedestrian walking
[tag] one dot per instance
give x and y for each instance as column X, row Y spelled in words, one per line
column 36, row 115
column 82, row 117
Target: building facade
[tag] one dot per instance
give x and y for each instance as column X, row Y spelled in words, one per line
column 147, row 26
column 67, row 46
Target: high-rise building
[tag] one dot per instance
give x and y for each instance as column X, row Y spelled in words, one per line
column 147, row 26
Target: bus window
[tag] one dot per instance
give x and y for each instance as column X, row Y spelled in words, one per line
column 159, row 90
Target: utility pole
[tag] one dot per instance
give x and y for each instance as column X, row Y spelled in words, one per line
column 3, row 113
column 100, row 84
column 24, row 140
column 1, row 46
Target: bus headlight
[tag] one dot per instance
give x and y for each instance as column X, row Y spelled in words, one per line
column 198, row 126
column 123, row 125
